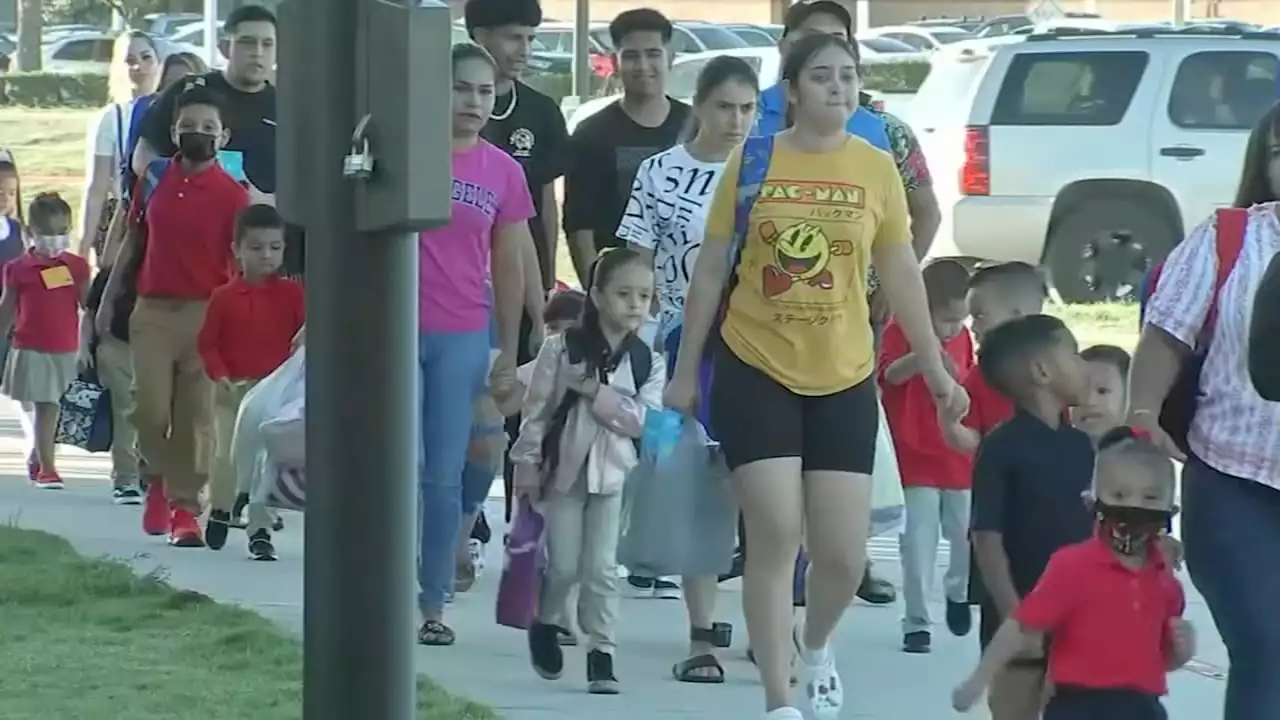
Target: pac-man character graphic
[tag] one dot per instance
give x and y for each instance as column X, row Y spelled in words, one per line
column 802, row 254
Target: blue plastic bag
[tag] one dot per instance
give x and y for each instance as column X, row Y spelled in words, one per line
column 661, row 433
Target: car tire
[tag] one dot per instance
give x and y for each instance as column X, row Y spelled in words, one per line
column 1101, row 249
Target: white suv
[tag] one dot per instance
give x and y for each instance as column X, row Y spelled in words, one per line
column 1091, row 154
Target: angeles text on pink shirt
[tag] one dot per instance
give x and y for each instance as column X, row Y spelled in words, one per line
column 489, row 192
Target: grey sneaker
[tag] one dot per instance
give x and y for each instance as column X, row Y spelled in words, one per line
column 126, row 495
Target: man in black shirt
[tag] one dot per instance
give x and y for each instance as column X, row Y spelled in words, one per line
column 608, row 147
column 249, row 102
column 1029, row 480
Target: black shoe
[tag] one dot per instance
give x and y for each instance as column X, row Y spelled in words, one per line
column 215, row 531
column 876, row 591
column 641, row 586
column 600, row 678
column 735, row 570
column 260, row 547
column 278, row 524
column 544, row 650
column 917, row 642
column 126, row 495
column 959, row 618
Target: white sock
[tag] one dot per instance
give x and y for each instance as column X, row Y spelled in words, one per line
column 813, row 657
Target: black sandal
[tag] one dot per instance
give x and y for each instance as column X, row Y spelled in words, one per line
column 436, row 634
column 686, row 671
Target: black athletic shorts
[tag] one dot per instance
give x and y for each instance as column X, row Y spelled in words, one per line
column 1079, row 703
column 756, row 418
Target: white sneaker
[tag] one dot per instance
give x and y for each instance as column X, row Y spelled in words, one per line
column 822, row 684
column 475, row 550
column 784, row 713
column 666, row 588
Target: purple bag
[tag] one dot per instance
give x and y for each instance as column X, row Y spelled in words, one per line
column 521, row 581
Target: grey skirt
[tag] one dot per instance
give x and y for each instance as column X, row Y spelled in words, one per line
column 38, row 377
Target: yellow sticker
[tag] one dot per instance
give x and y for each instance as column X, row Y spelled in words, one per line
column 58, row 276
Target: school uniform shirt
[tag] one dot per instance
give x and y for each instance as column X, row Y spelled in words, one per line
column 799, row 310
column 530, row 127
column 599, row 434
column 190, row 218
column 666, row 214
column 1110, row 623
column 489, row 193
column 987, row 407
column 1028, row 481
column 48, row 291
column 924, row 457
column 249, row 328
column 605, row 152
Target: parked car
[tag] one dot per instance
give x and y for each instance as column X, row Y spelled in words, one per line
column 555, row 46
column 91, row 52
column 682, row 81
column 1006, row 24
column 876, row 49
column 695, row 37
column 1091, row 154
column 756, row 35
column 924, row 39
column 166, row 24
column 191, row 38
column 964, row 23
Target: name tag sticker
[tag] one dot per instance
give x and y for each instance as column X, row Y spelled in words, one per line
column 56, row 277
column 233, row 162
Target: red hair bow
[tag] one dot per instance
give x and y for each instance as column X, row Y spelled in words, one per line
column 1139, row 433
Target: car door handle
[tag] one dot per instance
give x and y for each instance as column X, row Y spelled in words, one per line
column 1182, row 152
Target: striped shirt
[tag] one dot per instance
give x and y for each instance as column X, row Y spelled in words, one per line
column 1234, row 430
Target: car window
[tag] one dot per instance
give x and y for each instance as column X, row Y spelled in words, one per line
column 682, row 82
column 1223, row 90
column 914, row 41
column 682, row 41
column 76, row 51
column 885, row 45
column 102, row 50
column 1069, row 88
column 601, row 36
column 716, row 38
column 946, row 38
column 556, row 40
column 755, row 37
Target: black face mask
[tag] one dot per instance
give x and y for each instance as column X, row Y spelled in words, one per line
column 197, row 146
column 1130, row 530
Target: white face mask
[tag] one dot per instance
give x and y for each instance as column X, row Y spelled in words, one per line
column 51, row 244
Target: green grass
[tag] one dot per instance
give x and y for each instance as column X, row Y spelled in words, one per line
column 88, row 639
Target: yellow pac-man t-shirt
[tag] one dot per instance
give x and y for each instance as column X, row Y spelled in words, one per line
column 799, row 310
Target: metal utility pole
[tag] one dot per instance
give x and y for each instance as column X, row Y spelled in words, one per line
column 211, row 34
column 582, row 50
column 361, row 202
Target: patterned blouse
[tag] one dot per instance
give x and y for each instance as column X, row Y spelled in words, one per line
column 909, row 158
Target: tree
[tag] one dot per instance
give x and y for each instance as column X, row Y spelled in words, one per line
column 30, row 28
column 99, row 12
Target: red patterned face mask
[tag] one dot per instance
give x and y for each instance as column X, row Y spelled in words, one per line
column 1130, row 530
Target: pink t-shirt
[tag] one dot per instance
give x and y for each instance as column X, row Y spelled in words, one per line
column 489, row 192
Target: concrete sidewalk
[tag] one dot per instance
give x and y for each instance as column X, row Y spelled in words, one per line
column 489, row 662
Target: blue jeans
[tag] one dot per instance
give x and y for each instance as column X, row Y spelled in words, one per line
column 453, row 368
column 1230, row 530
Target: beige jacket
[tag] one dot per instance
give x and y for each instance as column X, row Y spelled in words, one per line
column 599, row 433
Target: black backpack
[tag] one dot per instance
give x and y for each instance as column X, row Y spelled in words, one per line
column 633, row 348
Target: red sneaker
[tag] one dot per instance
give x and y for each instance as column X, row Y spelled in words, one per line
column 184, row 530
column 33, row 467
column 155, row 508
column 48, row 481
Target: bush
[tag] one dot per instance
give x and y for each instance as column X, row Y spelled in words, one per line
column 42, row 89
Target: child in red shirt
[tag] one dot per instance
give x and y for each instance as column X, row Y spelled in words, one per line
column 44, row 290
column 996, row 295
column 1111, row 603
column 936, row 479
column 248, row 332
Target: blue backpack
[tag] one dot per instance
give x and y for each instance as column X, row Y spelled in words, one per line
column 136, row 116
column 1180, row 404
column 757, row 152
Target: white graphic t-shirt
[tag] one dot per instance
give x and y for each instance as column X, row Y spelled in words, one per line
column 667, row 213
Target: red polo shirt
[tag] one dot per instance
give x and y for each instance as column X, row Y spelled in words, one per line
column 48, row 292
column 987, row 407
column 190, row 220
column 924, row 458
column 1110, row 624
column 249, row 327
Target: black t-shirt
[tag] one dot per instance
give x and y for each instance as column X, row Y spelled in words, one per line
column 1028, row 484
column 605, row 152
column 250, row 116
column 534, row 134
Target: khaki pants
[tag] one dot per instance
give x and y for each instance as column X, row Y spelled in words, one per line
column 223, row 481
column 115, row 372
column 173, row 396
column 582, row 549
column 1017, row 693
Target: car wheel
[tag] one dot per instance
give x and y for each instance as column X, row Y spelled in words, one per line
column 1101, row 250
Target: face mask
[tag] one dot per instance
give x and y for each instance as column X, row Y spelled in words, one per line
column 1130, row 530
column 197, row 147
column 51, row 244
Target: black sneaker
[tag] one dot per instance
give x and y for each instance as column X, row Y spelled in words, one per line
column 544, row 650
column 260, row 547
column 215, row 531
column 917, row 643
column 876, row 591
column 126, row 495
column 600, row 678
column 666, row 589
column 959, row 618
column 735, row 570
column 641, row 587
